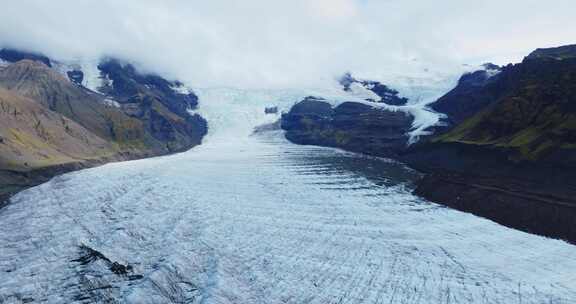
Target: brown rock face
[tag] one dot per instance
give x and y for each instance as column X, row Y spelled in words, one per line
column 34, row 136
column 50, row 125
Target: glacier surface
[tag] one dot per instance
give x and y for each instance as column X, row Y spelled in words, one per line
column 251, row 218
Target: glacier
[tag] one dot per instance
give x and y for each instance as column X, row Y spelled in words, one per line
column 252, row 218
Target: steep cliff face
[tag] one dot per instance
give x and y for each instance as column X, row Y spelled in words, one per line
column 351, row 125
column 165, row 106
column 556, row 53
column 535, row 118
column 122, row 82
column 515, row 160
column 474, row 92
column 52, row 124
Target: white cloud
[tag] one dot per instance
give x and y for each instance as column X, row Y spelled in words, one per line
column 287, row 43
column 334, row 9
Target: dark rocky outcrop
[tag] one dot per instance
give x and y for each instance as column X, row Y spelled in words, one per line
column 473, row 93
column 90, row 255
column 126, row 82
column 271, row 110
column 556, row 53
column 530, row 196
column 351, row 125
column 13, row 55
column 387, row 95
column 75, row 76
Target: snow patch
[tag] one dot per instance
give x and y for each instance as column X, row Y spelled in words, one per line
column 422, row 88
column 111, row 103
column 492, row 72
column 363, row 91
column 64, row 67
column 92, row 77
column 181, row 89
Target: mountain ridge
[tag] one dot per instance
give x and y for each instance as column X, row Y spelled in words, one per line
column 75, row 127
column 513, row 159
column 506, row 151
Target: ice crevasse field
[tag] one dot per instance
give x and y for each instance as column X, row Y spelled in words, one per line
column 252, row 218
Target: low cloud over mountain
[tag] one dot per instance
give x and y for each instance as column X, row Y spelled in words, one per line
column 263, row 43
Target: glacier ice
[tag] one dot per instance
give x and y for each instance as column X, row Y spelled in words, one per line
column 254, row 219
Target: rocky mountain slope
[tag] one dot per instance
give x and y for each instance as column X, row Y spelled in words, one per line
column 474, row 91
column 515, row 160
column 37, row 143
column 51, row 124
column 507, row 150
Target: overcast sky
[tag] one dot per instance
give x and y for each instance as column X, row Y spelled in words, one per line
column 288, row 43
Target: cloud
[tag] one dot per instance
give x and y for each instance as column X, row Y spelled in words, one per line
column 334, row 9
column 278, row 43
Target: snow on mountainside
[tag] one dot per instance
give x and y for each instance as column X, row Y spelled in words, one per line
column 383, row 126
column 396, row 92
column 253, row 114
column 92, row 78
column 419, row 89
column 409, row 92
